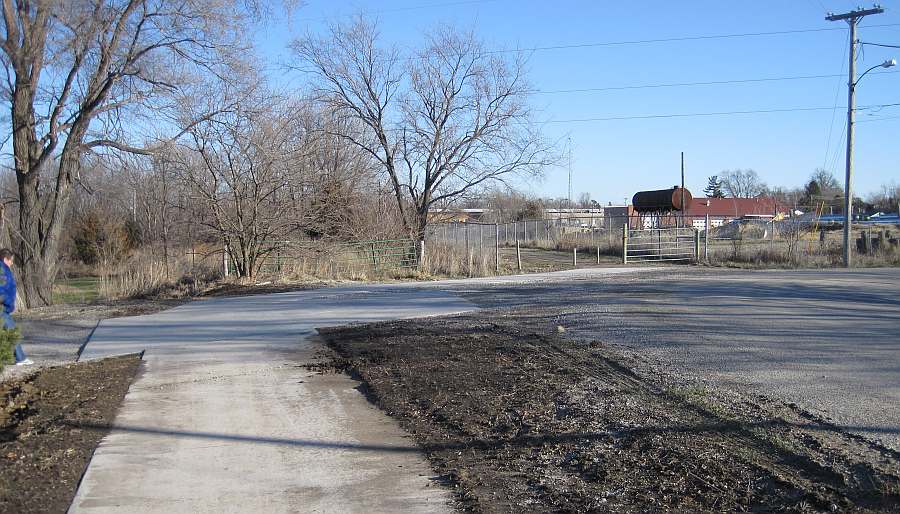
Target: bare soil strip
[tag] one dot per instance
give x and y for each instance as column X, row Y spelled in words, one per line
column 42, row 453
column 520, row 419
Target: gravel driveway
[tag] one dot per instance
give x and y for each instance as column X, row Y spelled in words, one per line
column 827, row 340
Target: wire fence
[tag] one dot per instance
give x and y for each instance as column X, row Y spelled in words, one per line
column 333, row 259
column 715, row 239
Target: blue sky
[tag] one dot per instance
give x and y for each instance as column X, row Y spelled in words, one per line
column 613, row 159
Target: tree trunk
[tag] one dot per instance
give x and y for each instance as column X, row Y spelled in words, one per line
column 35, row 280
column 42, row 216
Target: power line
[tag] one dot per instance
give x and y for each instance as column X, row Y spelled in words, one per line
column 688, row 84
column 837, row 91
column 883, row 118
column 680, row 38
column 721, row 113
column 879, row 44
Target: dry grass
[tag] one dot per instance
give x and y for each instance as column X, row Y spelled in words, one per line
column 798, row 250
column 452, row 260
column 148, row 274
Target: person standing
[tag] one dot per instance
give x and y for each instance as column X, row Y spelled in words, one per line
column 8, row 291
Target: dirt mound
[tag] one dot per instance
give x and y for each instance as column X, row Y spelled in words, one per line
column 520, row 419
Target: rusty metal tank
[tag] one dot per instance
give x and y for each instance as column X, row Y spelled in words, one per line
column 662, row 200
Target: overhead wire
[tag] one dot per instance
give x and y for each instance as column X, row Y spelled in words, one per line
column 690, row 84
column 718, row 113
column 837, row 91
column 879, row 44
column 681, row 38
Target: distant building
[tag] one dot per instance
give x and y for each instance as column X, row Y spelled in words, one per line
column 719, row 210
column 457, row 215
column 722, row 210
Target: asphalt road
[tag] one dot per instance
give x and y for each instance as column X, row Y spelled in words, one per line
column 827, row 340
column 223, row 419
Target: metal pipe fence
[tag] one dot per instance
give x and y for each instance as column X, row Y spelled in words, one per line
column 718, row 238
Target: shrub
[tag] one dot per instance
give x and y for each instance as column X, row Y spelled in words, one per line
column 8, row 340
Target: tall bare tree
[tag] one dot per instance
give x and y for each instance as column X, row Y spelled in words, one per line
column 238, row 167
column 441, row 123
column 79, row 74
column 742, row 183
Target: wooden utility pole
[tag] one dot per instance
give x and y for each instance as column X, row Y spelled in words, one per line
column 852, row 18
column 682, row 190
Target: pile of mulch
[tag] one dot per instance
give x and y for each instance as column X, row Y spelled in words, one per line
column 44, row 447
column 519, row 419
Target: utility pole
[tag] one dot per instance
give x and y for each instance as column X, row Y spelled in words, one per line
column 570, row 173
column 682, row 191
column 852, row 18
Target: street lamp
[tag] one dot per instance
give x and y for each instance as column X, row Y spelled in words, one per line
column 848, row 187
column 852, row 18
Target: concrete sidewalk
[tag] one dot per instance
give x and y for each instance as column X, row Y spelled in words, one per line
column 224, row 419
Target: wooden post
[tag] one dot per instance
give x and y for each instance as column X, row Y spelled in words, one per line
column 497, row 247
column 625, row 243
column 706, row 240
column 609, row 231
column 421, row 264
column 374, row 258
column 696, row 245
column 225, row 260
column 598, row 254
column 467, row 240
column 574, row 256
column 518, row 257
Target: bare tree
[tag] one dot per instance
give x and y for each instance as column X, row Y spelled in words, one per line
column 76, row 72
column 742, row 183
column 444, row 122
column 238, row 168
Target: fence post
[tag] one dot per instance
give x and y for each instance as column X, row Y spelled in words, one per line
column 525, row 230
column 421, row 263
column 706, row 240
column 497, row 247
column 225, row 260
column 609, row 231
column 374, row 259
column 518, row 257
column 696, row 245
column 625, row 243
column 574, row 256
column 598, row 254
column 467, row 239
column 772, row 237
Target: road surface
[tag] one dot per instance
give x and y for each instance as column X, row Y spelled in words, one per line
column 224, row 420
column 827, row 340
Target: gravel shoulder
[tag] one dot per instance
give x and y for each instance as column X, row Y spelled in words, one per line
column 826, row 340
column 520, row 418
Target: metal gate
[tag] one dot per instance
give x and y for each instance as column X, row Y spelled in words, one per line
column 660, row 244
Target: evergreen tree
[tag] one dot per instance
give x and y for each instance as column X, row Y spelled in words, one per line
column 714, row 188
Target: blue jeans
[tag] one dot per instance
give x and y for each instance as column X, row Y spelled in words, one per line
column 9, row 324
